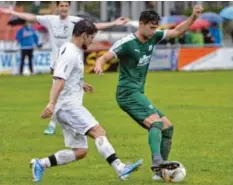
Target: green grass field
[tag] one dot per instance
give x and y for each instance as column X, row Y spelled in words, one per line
column 200, row 104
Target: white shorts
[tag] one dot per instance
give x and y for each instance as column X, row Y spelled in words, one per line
column 75, row 123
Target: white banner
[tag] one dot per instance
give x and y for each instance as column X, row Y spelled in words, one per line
column 10, row 61
column 220, row 59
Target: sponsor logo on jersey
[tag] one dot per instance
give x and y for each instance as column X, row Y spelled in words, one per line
column 65, row 29
column 144, row 60
column 60, row 37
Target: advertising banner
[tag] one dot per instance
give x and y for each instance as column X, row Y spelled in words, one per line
column 213, row 59
column 163, row 59
column 10, row 61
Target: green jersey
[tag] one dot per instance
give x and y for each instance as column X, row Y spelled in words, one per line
column 134, row 58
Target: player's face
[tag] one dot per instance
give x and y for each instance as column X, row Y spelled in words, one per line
column 63, row 8
column 87, row 40
column 148, row 30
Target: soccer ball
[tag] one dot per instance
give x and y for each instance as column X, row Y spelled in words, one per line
column 176, row 175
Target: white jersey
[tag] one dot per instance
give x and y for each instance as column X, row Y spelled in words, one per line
column 70, row 67
column 60, row 31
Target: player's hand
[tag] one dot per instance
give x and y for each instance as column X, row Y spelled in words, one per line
column 121, row 21
column 98, row 68
column 197, row 10
column 48, row 112
column 7, row 10
column 88, row 88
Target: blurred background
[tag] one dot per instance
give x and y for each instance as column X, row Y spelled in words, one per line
column 208, row 45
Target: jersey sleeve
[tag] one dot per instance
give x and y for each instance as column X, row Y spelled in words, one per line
column 64, row 65
column 119, row 49
column 43, row 20
column 159, row 35
column 75, row 19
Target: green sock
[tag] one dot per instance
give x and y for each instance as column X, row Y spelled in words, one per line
column 166, row 142
column 154, row 139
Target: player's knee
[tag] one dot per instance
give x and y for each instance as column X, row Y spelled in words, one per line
column 166, row 123
column 96, row 131
column 80, row 153
column 151, row 119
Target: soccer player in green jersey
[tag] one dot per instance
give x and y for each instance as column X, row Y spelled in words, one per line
column 134, row 53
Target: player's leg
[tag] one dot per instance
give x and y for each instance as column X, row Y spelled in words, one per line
column 30, row 56
column 89, row 126
column 23, row 55
column 167, row 133
column 74, row 140
column 105, row 149
column 79, row 148
column 166, row 141
column 141, row 109
column 81, row 120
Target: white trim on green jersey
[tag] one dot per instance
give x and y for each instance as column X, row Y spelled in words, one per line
column 121, row 42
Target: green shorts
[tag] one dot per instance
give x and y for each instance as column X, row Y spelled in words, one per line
column 137, row 106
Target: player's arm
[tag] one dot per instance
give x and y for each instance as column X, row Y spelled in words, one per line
column 62, row 72
column 56, row 90
column 102, row 60
column 54, row 94
column 118, row 50
column 25, row 16
column 184, row 26
column 117, row 22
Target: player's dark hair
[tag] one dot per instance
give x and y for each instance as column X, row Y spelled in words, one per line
column 84, row 26
column 58, row 2
column 149, row 16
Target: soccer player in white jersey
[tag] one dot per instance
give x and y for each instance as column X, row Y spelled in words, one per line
column 60, row 29
column 65, row 105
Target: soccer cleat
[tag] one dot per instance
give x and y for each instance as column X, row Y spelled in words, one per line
column 129, row 168
column 49, row 131
column 165, row 165
column 37, row 170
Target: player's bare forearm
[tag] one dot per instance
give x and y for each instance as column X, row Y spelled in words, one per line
column 102, row 60
column 25, row 16
column 56, row 90
column 105, row 25
column 185, row 25
column 118, row 22
column 106, row 58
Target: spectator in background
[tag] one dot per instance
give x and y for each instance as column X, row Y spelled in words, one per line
column 197, row 38
column 207, row 37
column 186, row 38
column 27, row 39
column 216, row 33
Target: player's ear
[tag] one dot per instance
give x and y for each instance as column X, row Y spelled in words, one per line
column 84, row 35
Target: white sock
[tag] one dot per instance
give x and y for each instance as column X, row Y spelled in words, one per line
column 118, row 166
column 106, row 150
column 62, row 157
column 52, row 124
column 45, row 162
column 65, row 156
